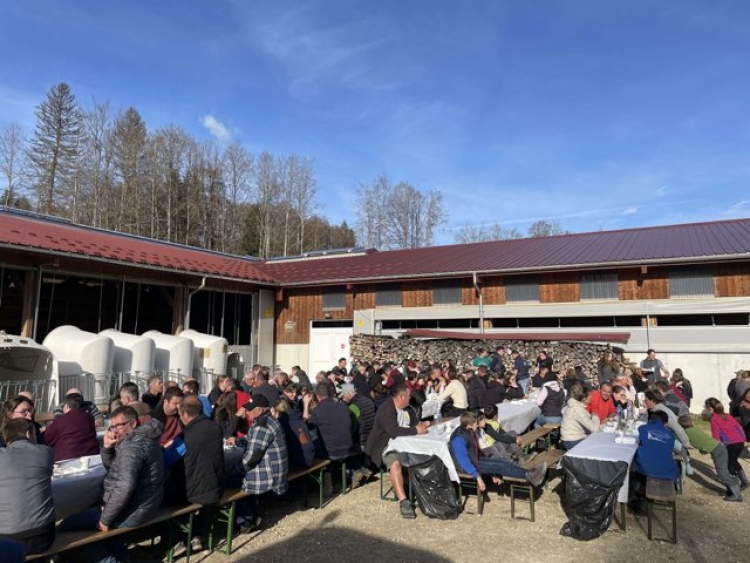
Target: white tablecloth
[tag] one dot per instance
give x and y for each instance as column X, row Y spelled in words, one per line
column 74, row 493
column 432, row 443
column 601, row 446
column 431, row 407
column 517, row 415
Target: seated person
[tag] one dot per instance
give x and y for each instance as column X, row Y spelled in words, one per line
column 192, row 387
column 551, row 400
column 155, row 390
column 601, row 403
column 27, row 514
column 671, row 400
column 129, row 398
column 16, row 408
column 513, row 389
column 455, row 392
column 495, row 441
column 333, row 421
column 167, row 413
column 655, row 455
column 469, row 459
column 230, row 417
column 655, row 402
column 577, row 421
column 87, row 406
column 73, row 434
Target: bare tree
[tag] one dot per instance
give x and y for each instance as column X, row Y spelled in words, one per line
column 96, row 152
column 543, row 228
column 480, row 233
column 267, row 194
column 238, row 175
column 12, row 163
column 129, row 145
column 55, row 145
column 371, row 205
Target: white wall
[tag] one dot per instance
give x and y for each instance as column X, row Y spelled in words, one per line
column 288, row 355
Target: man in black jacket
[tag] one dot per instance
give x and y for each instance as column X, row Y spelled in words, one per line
column 391, row 421
column 475, row 392
column 203, row 463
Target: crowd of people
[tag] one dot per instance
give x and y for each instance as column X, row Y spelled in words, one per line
column 170, row 444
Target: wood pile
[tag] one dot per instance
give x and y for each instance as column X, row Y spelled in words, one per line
column 566, row 354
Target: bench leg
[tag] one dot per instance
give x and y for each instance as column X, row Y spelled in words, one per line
column 189, row 542
column 512, row 502
column 344, row 488
column 531, row 500
column 230, row 527
column 674, row 522
column 649, row 515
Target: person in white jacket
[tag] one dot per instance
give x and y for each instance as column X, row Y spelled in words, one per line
column 550, row 400
column 577, row 422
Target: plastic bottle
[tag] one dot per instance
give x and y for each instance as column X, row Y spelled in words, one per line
column 619, row 417
column 436, row 420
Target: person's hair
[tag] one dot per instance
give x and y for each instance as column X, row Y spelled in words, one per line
column 173, row 392
column 280, row 406
column 677, row 375
column 661, row 416
column 482, row 369
column 400, row 390
column 514, row 351
column 235, row 383
column 127, row 412
column 490, row 411
column 579, row 392
column 322, row 391
column 262, row 375
column 452, row 373
column 715, row 405
column 191, row 406
column 617, row 389
column 467, row 419
column 468, row 374
column 9, row 406
column 17, row 429
column 570, row 373
column 129, row 392
column 550, row 376
column 74, row 401
column 605, row 384
column 661, row 385
column 221, row 379
column 193, row 386
column 481, row 350
column 155, row 377
column 655, row 396
column 226, row 407
column 650, row 351
column 129, row 385
column 115, row 404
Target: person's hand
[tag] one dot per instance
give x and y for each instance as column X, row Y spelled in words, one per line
column 306, row 399
column 426, row 423
column 231, row 441
column 109, row 441
column 241, row 413
column 480, row 484
column 168, row 445
column 518, row 441
column 421, row 429
column 496, row 480
column 101, row 526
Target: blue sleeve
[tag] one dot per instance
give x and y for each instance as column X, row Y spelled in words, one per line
column 462, row 456
column 174, row 453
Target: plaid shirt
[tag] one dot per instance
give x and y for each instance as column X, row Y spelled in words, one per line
column 269, row 474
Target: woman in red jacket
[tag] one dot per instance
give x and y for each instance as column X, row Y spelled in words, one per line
column 728, row 431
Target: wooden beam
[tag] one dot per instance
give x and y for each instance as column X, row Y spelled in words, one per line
column 178, row 310
column 27, row 311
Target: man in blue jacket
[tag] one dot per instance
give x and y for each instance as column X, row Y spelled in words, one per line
column 655, row 457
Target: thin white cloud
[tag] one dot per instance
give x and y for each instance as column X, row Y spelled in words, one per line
column 217, row 129
column 630, row 211
column 662, row 190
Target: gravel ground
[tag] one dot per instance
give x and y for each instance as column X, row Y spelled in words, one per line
column 361, row 527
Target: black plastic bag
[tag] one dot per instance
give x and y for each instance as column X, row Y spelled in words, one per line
column 432, row 486
column 591, row 489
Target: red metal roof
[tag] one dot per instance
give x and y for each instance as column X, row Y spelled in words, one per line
column 49, row 235
column 621, row 337
column 695, row 242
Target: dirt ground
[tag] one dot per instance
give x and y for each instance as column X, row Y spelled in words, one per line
column 359, row 527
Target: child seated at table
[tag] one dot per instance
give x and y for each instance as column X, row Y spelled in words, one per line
column 494, row 441
column 469, row 459
column 655, row 456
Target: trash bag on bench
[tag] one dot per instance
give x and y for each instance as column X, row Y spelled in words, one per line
column 591, row 490
column 432, row 486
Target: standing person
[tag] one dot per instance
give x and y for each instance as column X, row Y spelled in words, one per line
column 551, row 400
column 133, row 486
column 521, row 368
column 497, row 361
column 391, row 421
column 728, row 431
column 155, row 390
column 608, row 367
column 652, row 367
column 544, row 359
column 737, row 389
column 681, row 386
column 482, row 358
column 27, row 513
column 129, row 397
column 263, row 387
column 655, row 402
column 73, row 434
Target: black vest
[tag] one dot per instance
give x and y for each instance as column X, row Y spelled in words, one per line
column 554, row 402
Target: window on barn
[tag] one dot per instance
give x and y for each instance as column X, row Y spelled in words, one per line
column 599, row 286
column 388, row 296
column 447, row 294
column 691, row 282
column 334, row 300
column 522, row 289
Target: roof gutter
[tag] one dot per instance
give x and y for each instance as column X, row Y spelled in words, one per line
column 557, row 268
column 190, row 299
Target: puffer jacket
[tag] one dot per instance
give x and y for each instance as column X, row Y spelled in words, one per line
column 133, row 487
column 577, row 422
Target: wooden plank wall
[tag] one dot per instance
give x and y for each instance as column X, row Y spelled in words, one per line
column 732, row 280
column 654, row 284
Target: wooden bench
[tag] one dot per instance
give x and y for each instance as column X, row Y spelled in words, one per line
column 532, row 436
column 66, row 541
column 315, row 472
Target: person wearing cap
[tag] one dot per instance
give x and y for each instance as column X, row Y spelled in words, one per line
column 333, row 421
column 652, row 367
column 266, row 461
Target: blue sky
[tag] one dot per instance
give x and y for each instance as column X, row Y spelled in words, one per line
column 597, row 113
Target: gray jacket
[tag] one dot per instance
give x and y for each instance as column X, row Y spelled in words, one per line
column 25, row 487
column 133, row 487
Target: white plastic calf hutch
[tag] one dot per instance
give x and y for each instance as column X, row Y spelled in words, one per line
column 134, row 354
column 209, row 357
column 27, row 366
column 174, row 354
column 84, row 361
